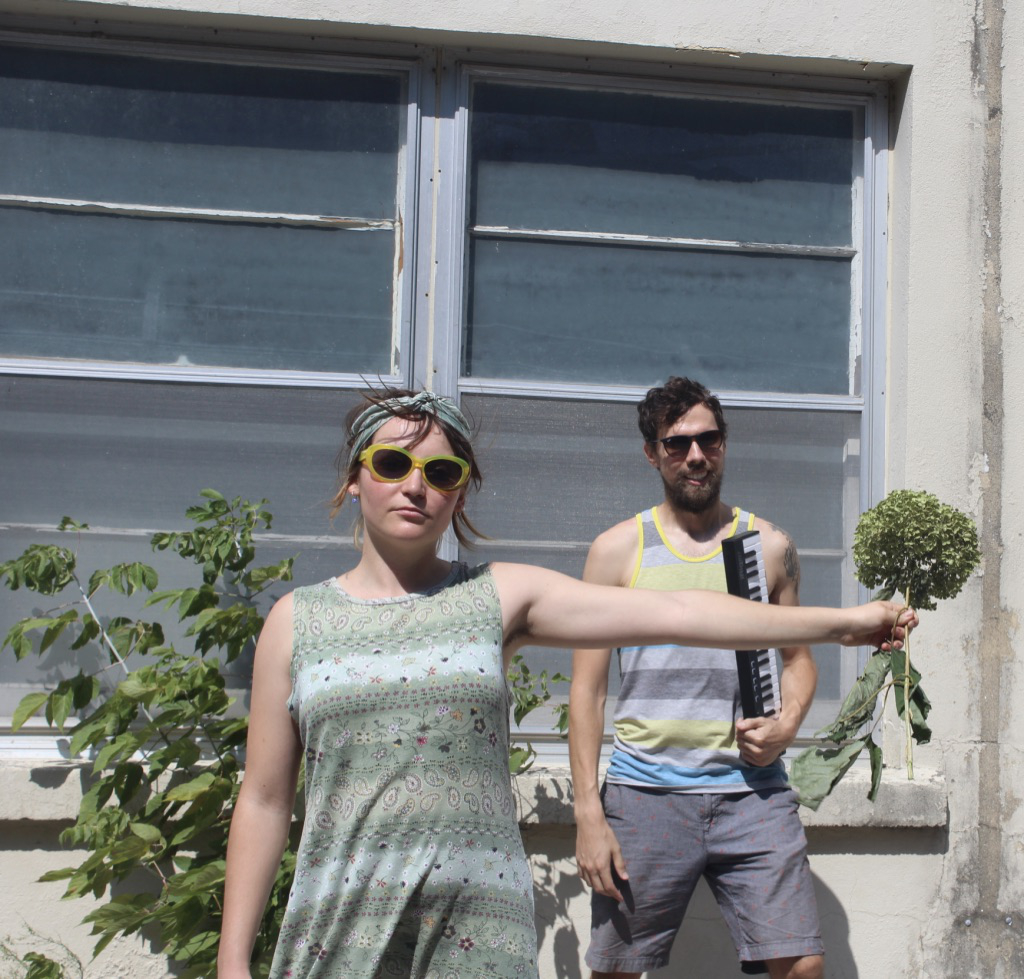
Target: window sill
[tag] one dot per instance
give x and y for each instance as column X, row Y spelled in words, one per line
column 544, row 798
column 51, row 791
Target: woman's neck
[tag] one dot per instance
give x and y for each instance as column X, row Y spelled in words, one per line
column 377, row 576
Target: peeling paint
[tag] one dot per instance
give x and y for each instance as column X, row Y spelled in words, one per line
column 977, row 480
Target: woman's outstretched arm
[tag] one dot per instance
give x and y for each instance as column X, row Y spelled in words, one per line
column 263, row 813
column 547, row 608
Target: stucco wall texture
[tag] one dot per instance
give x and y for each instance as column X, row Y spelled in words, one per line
column 939, row 901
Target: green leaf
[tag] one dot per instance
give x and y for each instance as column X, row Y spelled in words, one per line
column 40, row 967
column 920, row 705
column 816, row 771
column 54, row 632
column 150, row 834
column 520, row 759
column 66, row 523
column 136, row 687
column 59, row 705
column 130, row 777
column 197, row 944
column 28, row 706
column 53, row 875
column 202, row 879
column 22, row 645
column 86, row 689
column 192, row 789
column 42, row 568
column 129, row 849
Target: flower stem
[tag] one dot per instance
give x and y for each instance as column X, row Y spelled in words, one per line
column 906, row 699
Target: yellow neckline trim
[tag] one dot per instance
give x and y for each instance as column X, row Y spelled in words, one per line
column 703, row 557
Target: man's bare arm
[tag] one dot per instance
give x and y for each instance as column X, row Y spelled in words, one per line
column 597, row 849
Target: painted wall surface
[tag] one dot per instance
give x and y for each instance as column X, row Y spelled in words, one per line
column 895, row 902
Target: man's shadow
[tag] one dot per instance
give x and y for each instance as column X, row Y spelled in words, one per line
column 704, row 948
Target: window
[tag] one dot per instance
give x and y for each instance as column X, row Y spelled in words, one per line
column 204, row 255
column 621, row 230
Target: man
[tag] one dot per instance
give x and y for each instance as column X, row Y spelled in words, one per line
column 692, row 789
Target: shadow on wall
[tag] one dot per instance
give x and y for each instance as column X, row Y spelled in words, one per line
column 562, row 934
column 703, row 948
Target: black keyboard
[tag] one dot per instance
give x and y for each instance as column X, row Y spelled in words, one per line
column 759, row 675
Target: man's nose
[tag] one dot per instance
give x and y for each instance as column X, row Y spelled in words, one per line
column 696, row 454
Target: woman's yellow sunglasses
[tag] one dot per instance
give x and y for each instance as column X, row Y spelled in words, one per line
column 392, row 464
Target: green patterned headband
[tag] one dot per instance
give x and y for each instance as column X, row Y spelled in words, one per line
column 424, row 403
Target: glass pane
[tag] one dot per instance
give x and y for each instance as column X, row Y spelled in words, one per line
column 639, row 163
column 799, row 469
column 823, row 583
column 558, row 473
column 563, row 471
column 624, row 315
column 194, row 134
column 186, row 292
column 129, row 457
column 121, row 454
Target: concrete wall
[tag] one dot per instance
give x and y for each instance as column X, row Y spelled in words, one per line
column 942, row 896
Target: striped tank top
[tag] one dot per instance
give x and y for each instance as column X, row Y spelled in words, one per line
column 675, row 720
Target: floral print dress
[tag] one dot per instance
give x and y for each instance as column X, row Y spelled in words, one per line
column 411, row 863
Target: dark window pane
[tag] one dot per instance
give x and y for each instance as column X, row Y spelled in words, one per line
column 640, row 163
column 624, row 315
column 195, row 293
column 134, row 455
column 195, row 134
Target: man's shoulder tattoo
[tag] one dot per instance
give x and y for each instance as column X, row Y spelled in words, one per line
column 791, row 560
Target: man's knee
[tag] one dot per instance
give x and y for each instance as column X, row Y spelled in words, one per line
column 804, row 967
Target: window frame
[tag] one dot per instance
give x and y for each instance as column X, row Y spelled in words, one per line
column 410, row 68
column 430, row 281
column 869, row 265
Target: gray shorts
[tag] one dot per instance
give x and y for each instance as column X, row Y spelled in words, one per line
column 750, row 848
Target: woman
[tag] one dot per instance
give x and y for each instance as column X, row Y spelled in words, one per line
column 390, row 681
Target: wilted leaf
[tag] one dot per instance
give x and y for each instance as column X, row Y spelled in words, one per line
column 817, row 770
column 859, row 706
column 875, row 753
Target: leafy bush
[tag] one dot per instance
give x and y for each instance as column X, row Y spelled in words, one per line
column 165, row 748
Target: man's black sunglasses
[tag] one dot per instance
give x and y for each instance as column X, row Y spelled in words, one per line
column 680, row 444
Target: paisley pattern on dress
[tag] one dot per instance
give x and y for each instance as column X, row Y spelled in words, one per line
column 411, row 863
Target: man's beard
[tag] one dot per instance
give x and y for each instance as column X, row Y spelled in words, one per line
column 694, row 499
